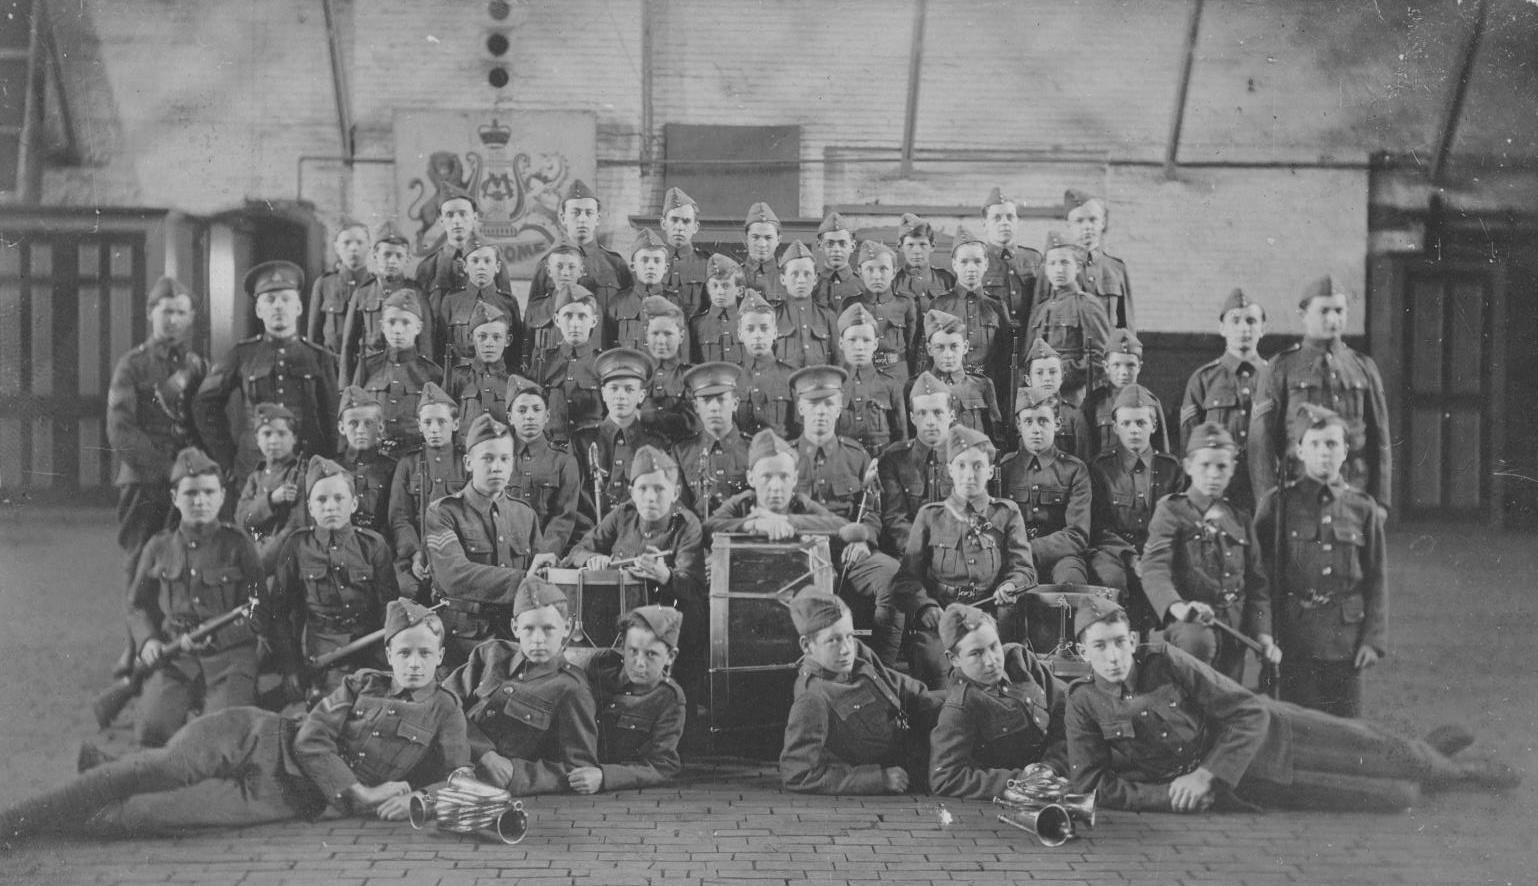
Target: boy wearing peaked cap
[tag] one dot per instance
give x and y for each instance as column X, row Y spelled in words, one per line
column 455, row 313
column 666, row 410
column 331, row 585
column 278, row 367
column 479, row 384
column 856, row 726
column 761, row 235
column 808, row 331
column 363, row 326
column 1071, row 321
column 360, row 751
column 1321, row 370
column 605, row 272
column 532, row 718
column 873, row 401
column 423, row 476
column 664, row 539
column 480, row 542
column 270, row 502
column 687, row 263
column 1003, row 715
column 836, row 280
column 714, row 462
column 1223, row 391
column 569, row 373
column 442, row 270
column 766, row 378
column 1123, row 365
column 1012, row 268
column 911, row 472
column 360, row 421
column 714, row 329
column 898, row 328
column 333, row 290
column 626, row 321
column 563, row 268
column 605, row 450
column 1101, row 275
column 641, row 709
column 918, row 278
column 396, row 374
column 545, row 476
column 977, row 403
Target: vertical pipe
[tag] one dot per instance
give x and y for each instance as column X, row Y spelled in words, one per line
column 1460, row 91
column 1172, row 150
column 339, row 80
column 915, row 66
column 646, row 87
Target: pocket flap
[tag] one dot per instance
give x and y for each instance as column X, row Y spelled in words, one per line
column 314, row 573
column 359, row 575
column 414, row 733
column 531, row 711
column 1113, row 730
column 637, row 721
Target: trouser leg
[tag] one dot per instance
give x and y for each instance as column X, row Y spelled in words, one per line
column 877, row 577
column 168, row 696
column 229, row 677
column 1334, row 687
column 1198, row 640
column 1106, row 569
column 143, row 509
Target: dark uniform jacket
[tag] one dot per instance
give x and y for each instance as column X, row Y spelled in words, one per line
column 911, row 475
column 832, row 474
column 766, row 401
column 899, row 329
column 833, row 286
column 638, row 729
column 329, row 298
column 540, row 716
column 604, row 273
column 540, row 337
column 1073, row 435
column 1213, row 560
column 1328, row 374
column 844, row 729
column 804, row 514
column 1105, row 276
column 977, row 403
column 714, row 333
column 988, row 332
column 480, row 550
column 962, row 551
column 300, row 375
column 627, row 322
column 688, row 269
column 987, row 734
column 363, row 330
column 622, row 535
column 330, row 585
column 713, row 470
column 1223, row 391
column 1011, row 280
column 372, row 476
column 189, row 575
column 1124, row 489
column 443, row 270
column 1074, row 324
column 923, row 286
column 149, row 409
column 370, row 731
column 765, row 277
column 477, row 387
column 1100, row 420
column 808, row 333
column 422, row 477
column 395, row 377
column 454, row 341
column 1052, row 491
column 267, row 522
column 606, row 451
column 570, row 380
column 874, row 413
column 1332, row 595
column 546, row 479
column 669, row 409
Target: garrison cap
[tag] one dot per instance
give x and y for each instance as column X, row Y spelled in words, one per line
column 1073, row 198
column 708, row 379
column 1092, row 610
column 405, row 299
column 855, row 315
column 432, row 395
column 1040, row 350
column 753, row 302
column 760, row 212
column 476, row 244
column 535, row 592
column 870, row 250
column 486, row 312
column 1135, row 397
column 959, row 439
column 1034, row 398
column 573, row 294
column 719, row 265
column 166, row 287
column 794, row 250
column 455, row 192
column 1124, row 341
column 649, row 459
column 964, row 235
column 624, row 363
column 347, row 223
column 818, row 382
column 1324, row 287
column 390, row 232
column 958, row 620
column 664, row 621
column 518, row 385
column 266, row 413
column 811, row 611
column 833, row 223
column 1211, row 435
column 1308, row 417
column 995, row 198
column 648, row 239
column 193, row 462
column 578, row 191
column 1060, row 240
column 1236, row 300
column 654, row 306
column 354, row 397
column 925, row 385
column 767, row 443
column 485, row 427
column 403, row 615
column 940, row 321
column 273, row 276
column 564, row 246
column 914, row 226
column 321, row 468
column 676, row 198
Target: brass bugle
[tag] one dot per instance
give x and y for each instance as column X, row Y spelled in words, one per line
column 1081, row 808
column 467, row 806
column 1050, row 824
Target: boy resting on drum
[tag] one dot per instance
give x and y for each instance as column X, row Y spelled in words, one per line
column 772, row 508
column 640, row 708
column 647, row 532
column 530, row 713
column 856, row 726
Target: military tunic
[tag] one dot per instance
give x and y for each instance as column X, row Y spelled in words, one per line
column 1075, row 325
column 300, row 375
column 668, row 410
column 712, row 469
column 1123, row 491
column 265, row 521
column 570, row 380
column 604, row 453
column 395, row 378
column 1099, row 414
column 1011, row 281
column 923, row 285
column 832, row 473
column 845, row 729
column 454, row 338
column 714, row 333
column 547, row 479
column 329, row 298
column 688, row 269
column 899, row 330
column 874, row 414
column 604, row 273
column 1052, row 491
column 626, row 321
column 478, row 388
column 986, row 734
column 1073, row 436
column 540, row 716
column 443, row 271
column 1105, row 277
column 808, row 333
column 330, row 587
column 638, row 728
column 764, row 276
column 149, row 420
column 363, row 330
column 804, row 515
column 988, row 331
column 911, row 475
column 1223, row 391
column 978, row 404
column 540, row 336
column 372, row 476
column 480, row 550
column 963, row 550
column 422, row 477
column 834, row 286
column 766, row 402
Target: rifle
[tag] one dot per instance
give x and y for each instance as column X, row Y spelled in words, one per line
column 872, row 472
column 1271, row 674
column 600, row 477
column 707, row 484
column 111, row 702
column 327, row 659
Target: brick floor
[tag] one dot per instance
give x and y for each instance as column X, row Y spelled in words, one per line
column 1460, row 607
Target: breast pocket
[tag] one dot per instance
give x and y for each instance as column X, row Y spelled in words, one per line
column 528, row 710
column 1349, row 548
column 478, row 550
column 629, row 732
column 221, row 590
column 863, row 716
column 320, row 591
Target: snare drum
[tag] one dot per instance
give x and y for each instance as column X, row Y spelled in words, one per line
column 597, row 598
column 1049, row 613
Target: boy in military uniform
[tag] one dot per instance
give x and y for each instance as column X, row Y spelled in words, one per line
column 1102, row 275
column 1071, row 321
column 331, row 585
column 873, row 399
column 664, row 541
column 640, row 707
column 277, row 367
column 666, row 410
column 545, row 478
column 898, row 329
column 772, row 507
column 808, row 331
column 270, row 502
column 1223, row 391
column 836, row 280
column 714, row 329
column 360, row 423
column 481, row 542
column 563, row 267
column 360, row 751
column 911, row 472
column 1003, row 714
column 761, row 234
column 626, row 320
column 200, row 570
column 766, row 378
column 977, row 403
column 1202, row 562
column 363, row 327
column 479, row 384
column 1322, row 545
column 1012, row 268
column 918, row 278
column 443, row 270
column 687, row 263
column 531, row 715
column 423, row 476
column 1125, row 484
column 986, row 320
column 1123, row 365
column 605, row 450
column 1321, row 370
column 1213, row 745
column 333, row 290
column 569, row 375
column 1043, row 370
column 856, row 726
column 714, row 462
column 395, row 375
column 605, row 274
column 453, row 318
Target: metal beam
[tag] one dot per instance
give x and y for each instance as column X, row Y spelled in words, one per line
column 915, row 67
column 1177, row 120
column 1460, row 92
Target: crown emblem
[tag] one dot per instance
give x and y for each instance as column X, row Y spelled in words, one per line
column 495, row 134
